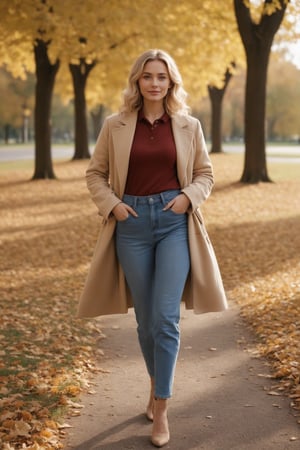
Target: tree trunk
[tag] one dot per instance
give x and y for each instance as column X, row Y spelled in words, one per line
column 271, row 123
column 79, row 76
column 255, row 166
column 45, row 77
column 216, row 96
column 257, row 40
column 6, row 133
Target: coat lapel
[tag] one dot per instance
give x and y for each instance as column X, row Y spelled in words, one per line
column 122, row 135
column 183, row 135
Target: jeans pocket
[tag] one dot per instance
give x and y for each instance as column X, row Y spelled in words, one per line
column 176, row 213
column 124, row 220
column 173, row 219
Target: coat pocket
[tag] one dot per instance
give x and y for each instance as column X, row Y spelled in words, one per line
column 207, row 289
column 199, row 226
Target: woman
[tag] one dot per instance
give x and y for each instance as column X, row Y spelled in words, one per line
column 149, row 173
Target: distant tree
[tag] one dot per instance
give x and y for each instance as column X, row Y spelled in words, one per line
column 216, row 98
column 97, row 115
column 16, row 95
column 283, row 100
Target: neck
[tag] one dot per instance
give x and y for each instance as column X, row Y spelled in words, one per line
column 153, row 111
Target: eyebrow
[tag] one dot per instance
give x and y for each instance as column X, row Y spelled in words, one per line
column 160, row 73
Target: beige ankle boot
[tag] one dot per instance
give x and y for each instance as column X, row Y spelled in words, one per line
column 150, row 406
column 160, row 431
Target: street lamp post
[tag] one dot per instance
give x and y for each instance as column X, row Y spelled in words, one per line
column 25, row 116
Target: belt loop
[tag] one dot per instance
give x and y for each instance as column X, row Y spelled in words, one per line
column 162, row 198
column 135, row 202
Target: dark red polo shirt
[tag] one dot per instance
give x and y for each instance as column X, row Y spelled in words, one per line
column 152, row 163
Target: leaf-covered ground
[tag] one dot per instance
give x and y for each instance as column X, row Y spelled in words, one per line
column 48, row 232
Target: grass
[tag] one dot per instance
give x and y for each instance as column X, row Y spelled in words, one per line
column 284, row 171
column 11, row 166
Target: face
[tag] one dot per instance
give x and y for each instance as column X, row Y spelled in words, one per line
column 154, row 81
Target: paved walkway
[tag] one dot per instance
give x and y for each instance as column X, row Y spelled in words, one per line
column 220, row 400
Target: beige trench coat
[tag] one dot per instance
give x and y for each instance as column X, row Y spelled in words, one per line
column 106, row 290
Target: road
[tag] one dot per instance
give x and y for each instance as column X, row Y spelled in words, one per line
column 24, row 152
column 12, row 152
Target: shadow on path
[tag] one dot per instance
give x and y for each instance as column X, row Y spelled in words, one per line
column 220, row 400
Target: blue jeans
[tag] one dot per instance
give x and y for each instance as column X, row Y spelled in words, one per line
column 154, row 254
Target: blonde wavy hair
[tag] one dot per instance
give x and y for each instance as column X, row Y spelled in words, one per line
column 175, row 100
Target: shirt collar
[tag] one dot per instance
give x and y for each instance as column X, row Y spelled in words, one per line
column 141, row 117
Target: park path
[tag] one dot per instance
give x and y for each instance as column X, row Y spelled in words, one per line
column 221, row 395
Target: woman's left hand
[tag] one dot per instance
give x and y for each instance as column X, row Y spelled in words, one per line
column 179, row 205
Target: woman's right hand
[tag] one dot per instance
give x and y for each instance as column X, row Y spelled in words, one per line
column 121, row 211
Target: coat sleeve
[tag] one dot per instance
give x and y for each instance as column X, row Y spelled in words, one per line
column 201, row 172
column 97, row 174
